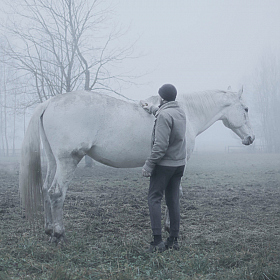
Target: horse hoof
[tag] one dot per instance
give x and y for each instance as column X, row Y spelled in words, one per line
column 58, row 239
column 167, row 229
column 49, row 231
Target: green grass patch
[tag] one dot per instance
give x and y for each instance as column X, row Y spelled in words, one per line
column 229, row 227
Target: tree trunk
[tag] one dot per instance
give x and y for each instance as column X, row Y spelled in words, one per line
column 14, row 123
column 5, row 120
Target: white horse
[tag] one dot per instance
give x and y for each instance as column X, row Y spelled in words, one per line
column 111, row 131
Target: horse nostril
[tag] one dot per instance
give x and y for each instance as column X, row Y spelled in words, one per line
column 248, row 140
column 251, row 139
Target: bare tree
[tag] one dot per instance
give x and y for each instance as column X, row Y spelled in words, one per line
column 5, row 123
column 64, row 45
column 8, row 110
column 267, row 101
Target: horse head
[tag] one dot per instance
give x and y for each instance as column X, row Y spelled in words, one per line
column 236, row 118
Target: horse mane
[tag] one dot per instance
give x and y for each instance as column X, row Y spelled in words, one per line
column 200, row 101
column 203, row 101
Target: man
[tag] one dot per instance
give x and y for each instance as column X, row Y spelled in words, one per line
column 165, row 165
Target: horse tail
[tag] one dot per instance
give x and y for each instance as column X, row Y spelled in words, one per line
column 30, row 174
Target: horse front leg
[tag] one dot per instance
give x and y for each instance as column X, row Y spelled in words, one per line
column 166, row 217
column 167, row 220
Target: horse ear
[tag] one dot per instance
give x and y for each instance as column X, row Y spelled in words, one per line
column 229, row 88
column 240, row 92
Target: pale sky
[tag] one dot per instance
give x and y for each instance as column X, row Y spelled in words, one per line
column 200, row 45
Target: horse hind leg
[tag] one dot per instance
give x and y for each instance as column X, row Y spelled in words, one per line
column 51, row 169
column 57, row 192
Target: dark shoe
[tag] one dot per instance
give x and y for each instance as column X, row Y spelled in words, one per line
column 172, row 243
column 159, row 247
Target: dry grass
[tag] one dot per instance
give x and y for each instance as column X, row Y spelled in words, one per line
column 230, row 221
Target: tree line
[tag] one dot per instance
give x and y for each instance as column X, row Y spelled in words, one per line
column 265, row 93
column 54, row 47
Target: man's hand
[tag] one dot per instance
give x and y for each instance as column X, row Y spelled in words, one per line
column 146, row 106
column 146, row 173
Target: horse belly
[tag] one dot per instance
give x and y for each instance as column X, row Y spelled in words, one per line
column 119, row 151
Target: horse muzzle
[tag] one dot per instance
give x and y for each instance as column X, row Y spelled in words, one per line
column 248, row 140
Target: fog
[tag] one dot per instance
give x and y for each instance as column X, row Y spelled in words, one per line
column 195, row 45
column 199, row 45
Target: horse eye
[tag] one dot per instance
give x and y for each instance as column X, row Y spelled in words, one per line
column 246, row 110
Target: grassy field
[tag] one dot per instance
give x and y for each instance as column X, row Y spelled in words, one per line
column 230, row 225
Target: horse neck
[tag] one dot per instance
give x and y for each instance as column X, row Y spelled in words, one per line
column 203, row 109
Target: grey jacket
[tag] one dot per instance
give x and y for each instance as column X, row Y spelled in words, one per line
column 168, row 137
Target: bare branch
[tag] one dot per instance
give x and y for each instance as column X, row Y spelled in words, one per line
column 57, row 44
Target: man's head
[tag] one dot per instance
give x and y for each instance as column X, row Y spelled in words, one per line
column 168, row 92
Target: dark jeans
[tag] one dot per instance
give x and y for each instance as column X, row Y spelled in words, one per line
column 165, row 179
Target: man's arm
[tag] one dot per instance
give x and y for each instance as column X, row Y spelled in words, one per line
column 151, row 109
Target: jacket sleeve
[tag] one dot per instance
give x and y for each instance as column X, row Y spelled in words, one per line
column 162, row 134
column 154, row 109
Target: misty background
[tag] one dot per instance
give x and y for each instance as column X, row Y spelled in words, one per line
column 130, row 48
